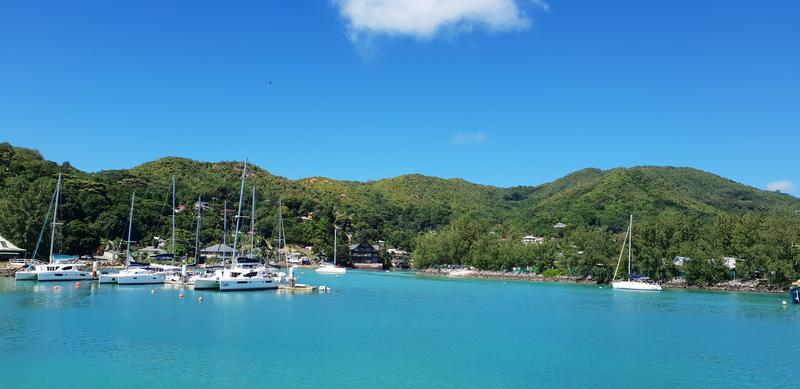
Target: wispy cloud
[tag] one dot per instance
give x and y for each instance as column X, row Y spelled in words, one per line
column 784, row 186
column 424, row 19
column 469, row 138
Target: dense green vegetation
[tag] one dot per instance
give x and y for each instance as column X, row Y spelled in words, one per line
column 679, row 211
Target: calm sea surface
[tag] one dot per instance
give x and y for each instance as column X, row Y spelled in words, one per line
column 394, row 330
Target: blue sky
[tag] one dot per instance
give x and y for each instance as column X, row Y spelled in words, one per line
column 499, row 92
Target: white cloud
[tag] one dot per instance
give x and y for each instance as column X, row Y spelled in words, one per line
column 784, row 186
column 469, row 138
column 424, row 19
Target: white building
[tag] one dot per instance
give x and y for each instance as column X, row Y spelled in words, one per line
column 530, row 239
column 680, row 261
column 729, row 262
column 559, row 225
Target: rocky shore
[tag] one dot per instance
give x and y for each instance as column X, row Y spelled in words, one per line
column 678, row 283
column 8, row 269
column 499, row 275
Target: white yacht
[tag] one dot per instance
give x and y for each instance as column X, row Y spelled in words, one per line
column 331, row 268
column 247, row 279
column 139, row 276
column 62, row 272
column 633, row 281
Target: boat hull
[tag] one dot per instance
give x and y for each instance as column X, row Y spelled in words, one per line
column 247, row 284
column 141, row 279
column 25, row 275
column 635, row 285
column 108, row 279
column 200, row 283
column 331, row 270
column 68, row 275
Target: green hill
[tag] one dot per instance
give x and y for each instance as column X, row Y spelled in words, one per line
column 397, row 210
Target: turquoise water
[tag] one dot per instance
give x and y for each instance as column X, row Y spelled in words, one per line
column 394, row 330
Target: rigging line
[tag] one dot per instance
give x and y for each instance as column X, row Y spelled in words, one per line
column 44, row 226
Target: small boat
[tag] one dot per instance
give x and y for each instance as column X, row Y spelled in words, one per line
column 633, row 281
column 794, row 292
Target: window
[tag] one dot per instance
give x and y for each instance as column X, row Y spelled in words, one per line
column 2, row 243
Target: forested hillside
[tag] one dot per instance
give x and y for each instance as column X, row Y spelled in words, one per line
column 679, row 211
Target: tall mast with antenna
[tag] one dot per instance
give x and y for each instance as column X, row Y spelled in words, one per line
column 173, row 218
column 239, row 213
column 55, row 218
column 253, row 223
column 224, row 229
column 197, row 232
column 130, row 226
column 630, row 240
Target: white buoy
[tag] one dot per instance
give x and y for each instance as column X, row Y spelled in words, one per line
column 784, row 302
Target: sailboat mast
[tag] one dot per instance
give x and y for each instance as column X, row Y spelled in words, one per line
column 253, row 222
column 197, row 231
column 224, row 229
column 281, row 238
column 55, row 218
column 334, row 243
column 239, row 212
column 630, row 240
column 173, row 219
column 130, row 226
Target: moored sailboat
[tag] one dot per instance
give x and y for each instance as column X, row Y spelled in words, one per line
column 331, row 268
column 55, row 271
column 633, row 281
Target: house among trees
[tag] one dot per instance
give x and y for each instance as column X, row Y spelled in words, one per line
column 366, row 256
column 8, row 250
column 680, row 261
column 729, row 262
column 218, row 250
column 559, row 225
column 530, row 239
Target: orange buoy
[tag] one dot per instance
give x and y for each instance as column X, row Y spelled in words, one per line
column 200, row 299
column 180, row 295
column 77, row 285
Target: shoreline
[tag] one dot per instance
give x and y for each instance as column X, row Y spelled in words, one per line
column 757, row 286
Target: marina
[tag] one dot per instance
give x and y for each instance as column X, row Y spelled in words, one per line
column 398, row 328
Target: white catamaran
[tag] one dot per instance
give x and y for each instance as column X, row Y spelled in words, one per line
column 248, row 275
column 55, row 271
column 633, row 281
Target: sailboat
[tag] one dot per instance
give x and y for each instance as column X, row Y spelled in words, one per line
column 54, row 271
column 331, row 268
column 133, row 275
column 203, row 281
column 246, row 275
column 28, row 272
column 633, row 281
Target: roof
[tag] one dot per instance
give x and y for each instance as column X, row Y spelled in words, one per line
column 5, row 245
column 376, row 247
column 218, row 248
